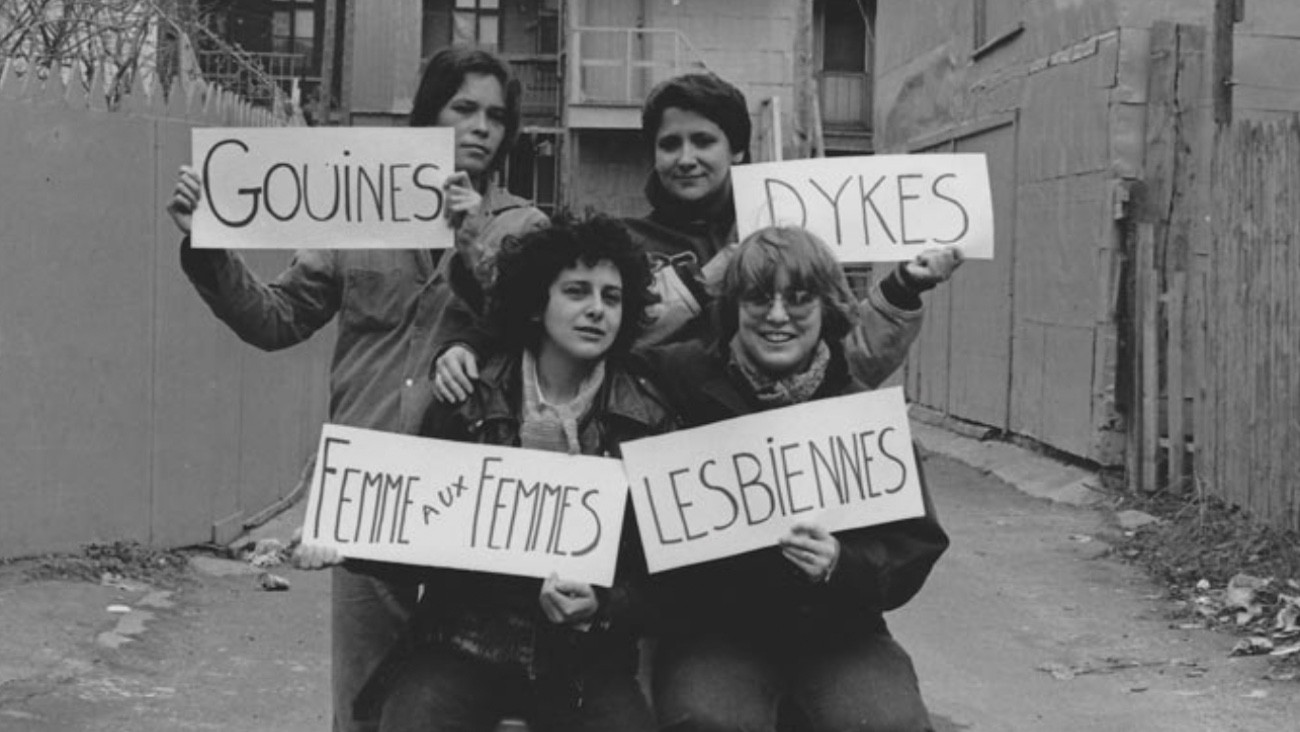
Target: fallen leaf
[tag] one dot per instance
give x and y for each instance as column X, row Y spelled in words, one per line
column 1285, row 650
column 1252, row 646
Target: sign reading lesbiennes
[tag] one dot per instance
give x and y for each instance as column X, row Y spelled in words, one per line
column 322, row 187
column 738, row 485
column 873, row 208
column 415, row 500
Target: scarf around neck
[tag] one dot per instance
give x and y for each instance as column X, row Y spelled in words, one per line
column 796, row 388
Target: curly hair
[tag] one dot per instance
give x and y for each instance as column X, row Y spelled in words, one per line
column 707, row 95
column 807, row 261
column 445, row 72
column 528, row 265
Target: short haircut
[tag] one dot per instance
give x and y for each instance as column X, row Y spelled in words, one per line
column 707, row 95
column 810, row 265
column 528, row 265
column 443, row 75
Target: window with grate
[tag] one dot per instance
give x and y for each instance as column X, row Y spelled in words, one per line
column 293, row 28
column 477, row 22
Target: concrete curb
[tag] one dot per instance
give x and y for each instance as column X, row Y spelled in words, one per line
column 1025, row 470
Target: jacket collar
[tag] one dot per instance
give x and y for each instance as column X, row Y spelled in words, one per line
column 497, row 199
column 500, row 393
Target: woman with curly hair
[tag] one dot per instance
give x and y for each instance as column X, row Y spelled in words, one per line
column 568, row 302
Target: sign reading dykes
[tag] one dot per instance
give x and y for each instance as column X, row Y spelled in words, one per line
column 738, row 485
column 414, row 500
column 873, row 208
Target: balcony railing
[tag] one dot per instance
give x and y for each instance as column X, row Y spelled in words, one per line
column 540, row 78
column 289, row 71
column 619, row 66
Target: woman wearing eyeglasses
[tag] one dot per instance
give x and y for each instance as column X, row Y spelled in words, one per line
column 800, row 624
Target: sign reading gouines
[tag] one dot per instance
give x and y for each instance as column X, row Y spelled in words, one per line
column 738, row 485
column 415, row 500
column 873, row 208
column 322, row 187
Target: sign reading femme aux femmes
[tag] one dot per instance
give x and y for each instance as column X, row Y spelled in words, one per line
column 873, row 208
column 322, row 187
column 738, row 485
column 414, row 500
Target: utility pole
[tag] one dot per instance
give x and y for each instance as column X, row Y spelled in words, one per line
column 1227, row 13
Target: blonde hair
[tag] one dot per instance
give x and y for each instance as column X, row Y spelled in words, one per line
column 808, row 263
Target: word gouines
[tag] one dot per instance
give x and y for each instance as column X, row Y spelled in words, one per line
column 396, row 498
column 738, row 485
column 322, row 188
column 875, row 208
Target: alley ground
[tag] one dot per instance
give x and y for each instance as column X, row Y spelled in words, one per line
column 1026, row 625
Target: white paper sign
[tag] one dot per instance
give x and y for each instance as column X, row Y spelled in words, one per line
column 738, row 485
column 873, row 208
column 322, row 187
column 415, row 500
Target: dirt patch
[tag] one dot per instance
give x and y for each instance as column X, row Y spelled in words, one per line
column 129, row 560
column 1223, row 570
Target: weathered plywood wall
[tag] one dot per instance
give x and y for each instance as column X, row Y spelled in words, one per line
column 1025, row 343
column 1266, row 60
column 130, row 412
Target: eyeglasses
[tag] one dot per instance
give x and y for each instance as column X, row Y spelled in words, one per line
column 797, row 303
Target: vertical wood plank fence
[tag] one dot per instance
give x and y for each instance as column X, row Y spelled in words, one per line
column 128, row 411
column 1214, row 297
column 1249, row 421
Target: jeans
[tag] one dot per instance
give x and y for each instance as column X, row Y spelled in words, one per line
column 443, row 690
column 371, row 604
column 711, row 682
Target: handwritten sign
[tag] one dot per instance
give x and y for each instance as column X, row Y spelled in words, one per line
column 738, row 485
column 322, row 187
column 415, row 500
column 873, row 208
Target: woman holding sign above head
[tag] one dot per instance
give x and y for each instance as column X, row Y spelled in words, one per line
column 797, row 625
column 388, row 304
column 697, row 126
column 568, row 301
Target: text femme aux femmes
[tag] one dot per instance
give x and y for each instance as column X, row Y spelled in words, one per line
column 287, row 192
column 372, row 507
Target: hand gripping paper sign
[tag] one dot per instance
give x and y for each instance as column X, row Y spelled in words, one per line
column 322, row 187
column 415, row 500
column 873, row 208
column 738, row 485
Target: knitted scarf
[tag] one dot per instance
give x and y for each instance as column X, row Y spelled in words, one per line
column 793, row 389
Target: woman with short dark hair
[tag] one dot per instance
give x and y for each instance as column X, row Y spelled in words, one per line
column 696, row 126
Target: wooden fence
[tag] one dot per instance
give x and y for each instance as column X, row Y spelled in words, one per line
column 127, row 411
column 1213, row 303
column 1248, row 427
